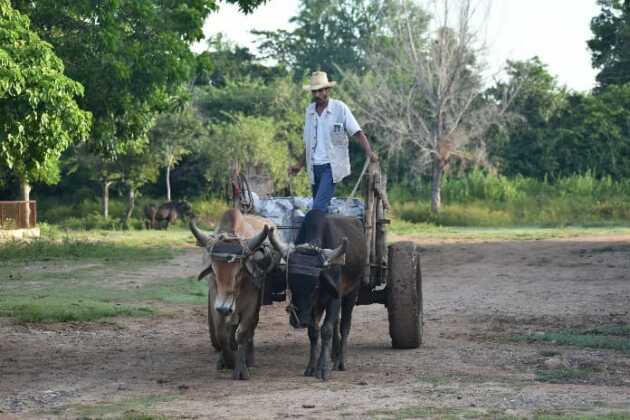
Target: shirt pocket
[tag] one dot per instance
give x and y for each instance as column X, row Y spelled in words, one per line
column 338, row 135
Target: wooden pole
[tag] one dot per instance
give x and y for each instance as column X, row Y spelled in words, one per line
column 369, row 223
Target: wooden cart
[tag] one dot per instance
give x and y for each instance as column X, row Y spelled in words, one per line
column 393, row 276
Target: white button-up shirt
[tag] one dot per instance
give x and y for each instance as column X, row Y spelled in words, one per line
column 326, row 138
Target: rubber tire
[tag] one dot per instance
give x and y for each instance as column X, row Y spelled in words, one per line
column 404, row 297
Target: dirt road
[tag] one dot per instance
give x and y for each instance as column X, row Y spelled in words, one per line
column 477, row 298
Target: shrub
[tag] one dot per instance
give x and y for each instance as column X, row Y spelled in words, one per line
column 209, row 211
column 480, row 199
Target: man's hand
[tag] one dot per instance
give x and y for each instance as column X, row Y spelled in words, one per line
column 294, row 169
column 373, row 157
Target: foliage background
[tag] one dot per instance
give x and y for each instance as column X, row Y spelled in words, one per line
column 562, row 159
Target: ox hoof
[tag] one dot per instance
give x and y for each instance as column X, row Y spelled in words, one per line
column 220, row 363
column 322, row 374
column 242, row 374
column 339, row 365
column 310, row 371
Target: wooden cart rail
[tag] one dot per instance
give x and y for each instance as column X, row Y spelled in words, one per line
column 18, row 214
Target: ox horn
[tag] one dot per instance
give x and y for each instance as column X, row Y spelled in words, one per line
column 337, row 255
column 202, row 238
column 257, row 240
column 277, row 243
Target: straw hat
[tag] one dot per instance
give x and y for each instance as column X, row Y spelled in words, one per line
column 319, row 80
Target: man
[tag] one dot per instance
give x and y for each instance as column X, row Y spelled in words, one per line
column 328, row 124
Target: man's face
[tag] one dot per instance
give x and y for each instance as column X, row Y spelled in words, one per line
column 320, row 96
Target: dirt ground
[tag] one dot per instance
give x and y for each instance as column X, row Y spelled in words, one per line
column 477, row 297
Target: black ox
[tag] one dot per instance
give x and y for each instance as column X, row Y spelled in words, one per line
column 324, row 272
column 170, row 211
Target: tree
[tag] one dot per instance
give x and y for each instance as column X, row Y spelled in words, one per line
column 426, row 89
column 592, row 133
column 329, row 34
column 173, row 137
column 250, row 141
column 224, row 62
column 233, row 111
column 525, row 146
column 611, row 42
column 39, row 116
column 129, row 54
column 137, row 167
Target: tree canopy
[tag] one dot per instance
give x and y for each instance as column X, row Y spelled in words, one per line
column 129, row 54
column 224, row 62
column 39, row 115
column 329, row 34
column 524, row 146
column 611, row 42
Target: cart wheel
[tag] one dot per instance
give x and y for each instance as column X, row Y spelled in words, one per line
column 404, row 299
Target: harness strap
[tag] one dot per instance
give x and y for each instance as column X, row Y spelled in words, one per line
column 291, row 308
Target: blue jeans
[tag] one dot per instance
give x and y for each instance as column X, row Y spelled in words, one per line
column 323, row 188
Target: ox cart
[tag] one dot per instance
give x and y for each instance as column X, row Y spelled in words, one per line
column 393, row 275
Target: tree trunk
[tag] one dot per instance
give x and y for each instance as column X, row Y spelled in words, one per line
column 168, row 182
column 105, row 199
column 131, row 202
column 25, row 192
column 436, row 185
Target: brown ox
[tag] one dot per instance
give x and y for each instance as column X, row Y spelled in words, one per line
column 235, row 264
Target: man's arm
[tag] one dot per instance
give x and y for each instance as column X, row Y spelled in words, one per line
column 363, row 141
column 294, row 169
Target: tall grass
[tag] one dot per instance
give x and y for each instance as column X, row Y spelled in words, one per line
column 475, row 200
column 480, row 199
column 87, row 215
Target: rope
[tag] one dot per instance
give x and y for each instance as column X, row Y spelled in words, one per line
column 291, row 309
column 365, row 166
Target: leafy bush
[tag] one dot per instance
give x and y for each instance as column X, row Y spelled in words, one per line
column 91, row 221
column 473, row 214
column 209, row 211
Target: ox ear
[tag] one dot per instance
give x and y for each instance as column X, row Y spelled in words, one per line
column 277, row 243
column 203, row 240
column 336, row 256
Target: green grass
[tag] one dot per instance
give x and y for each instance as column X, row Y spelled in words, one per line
column 482, row 200
column 493, row 414
column 564, row 375
column 427, row 412
column 401, row 227
column 608, row 416
column 81, row 213
column 131, row 409
column 63, row 310
column 550, row 213
column 86, row 299
column 114, row 246
column 612, row 337
column 87, row 276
